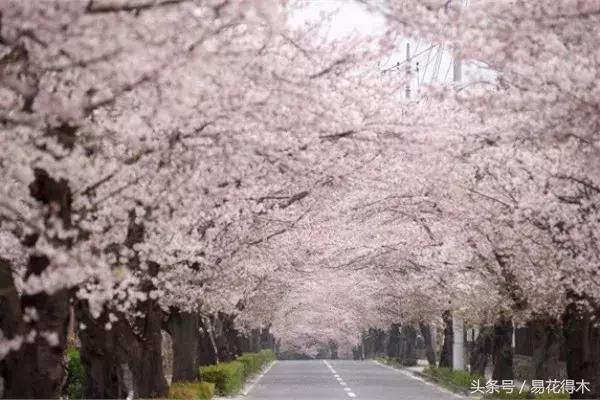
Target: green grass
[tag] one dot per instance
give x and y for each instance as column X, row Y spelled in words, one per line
column 455, row 380
column 75, row 374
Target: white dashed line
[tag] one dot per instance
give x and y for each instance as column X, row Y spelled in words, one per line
column 340, row 380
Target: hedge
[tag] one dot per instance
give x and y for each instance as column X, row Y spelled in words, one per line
column 228, row 377
column 266, row 356
column 75, row 374
column 254, row 362
column 191, row 390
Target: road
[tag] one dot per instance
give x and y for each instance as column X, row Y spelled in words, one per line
column 340, row 380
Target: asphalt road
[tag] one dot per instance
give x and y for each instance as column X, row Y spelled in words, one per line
column 340, row 380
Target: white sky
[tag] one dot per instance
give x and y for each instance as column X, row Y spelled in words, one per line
column 434, row 65
column 351, row 18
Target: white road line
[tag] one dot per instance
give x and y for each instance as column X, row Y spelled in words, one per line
column 249, row 388
column 340, row 380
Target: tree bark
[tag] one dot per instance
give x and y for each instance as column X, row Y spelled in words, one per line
column 446, row 354
column 183, row 327
column 148, row 374
column 11, row 325
column 104, row 353
column 502, row 350
column 207, row 349
column 379, row 337
column 429, row 350
column 266, row 339
column 582, row 344
column 482, row 348
column 254, row 340
column 546, row 341
column 333, row 348
column 36, row 369
column 409, row 346
column 393, row 344
column 128, row 356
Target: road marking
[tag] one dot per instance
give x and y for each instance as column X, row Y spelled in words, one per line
column 348, row 391
column 246, row 391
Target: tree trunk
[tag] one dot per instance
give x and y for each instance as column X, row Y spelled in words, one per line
column 393, row 344
column 119, row 358
column 148, row 374
column 502, row 348
column 446, row 354
column 183, row 327
column 104, row 355
column 482, row 348
column 582, row 343
column 245, row 343
column 409, row 346
column 333, row 348
column 379, row 337
column 266, row 339
column 546, row 341
column 207, row 349
column 36, row 369
column 12, row 327
column 254, row 340
column 429, row 350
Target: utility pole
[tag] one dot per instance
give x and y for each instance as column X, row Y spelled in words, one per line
column 458, row 326
column 408, row 71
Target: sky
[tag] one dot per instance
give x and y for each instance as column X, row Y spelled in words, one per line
column 434, row 61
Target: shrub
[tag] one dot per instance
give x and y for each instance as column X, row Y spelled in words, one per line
column 252, row 363
column 227, row 377
column 75, row 374
column 191, row 390
column 207, row 390
column 266, row 356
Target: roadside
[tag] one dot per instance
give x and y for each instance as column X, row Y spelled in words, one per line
column 463, row 384
column 250, row 383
